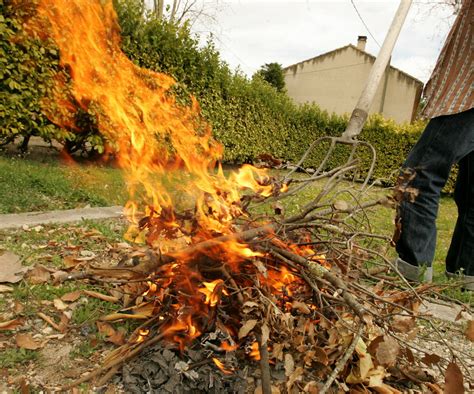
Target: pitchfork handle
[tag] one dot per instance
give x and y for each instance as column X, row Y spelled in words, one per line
column 361, row 111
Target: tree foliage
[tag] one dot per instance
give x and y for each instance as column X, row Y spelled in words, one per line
column 273, row 74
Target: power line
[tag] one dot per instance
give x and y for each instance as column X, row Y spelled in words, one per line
column 362, row 20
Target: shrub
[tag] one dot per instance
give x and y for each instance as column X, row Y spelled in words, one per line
column 27, row 67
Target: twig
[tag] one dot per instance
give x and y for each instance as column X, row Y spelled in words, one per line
column 343, row 360
column 331, row 278
column 264, row 366
column 50, row 321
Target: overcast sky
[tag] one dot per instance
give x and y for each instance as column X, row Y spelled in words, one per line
column 249, row 33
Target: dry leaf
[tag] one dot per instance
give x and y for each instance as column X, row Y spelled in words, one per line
column 296, row 375
column 5, row 289
column 38, row 275
column 289, row 364
column 70, row 261
column 409, row 355
column 11, row 269
column 277, row 351
column 246, row 328
column 18, row 307
column 430, row 359
column 341, row 205
column 72, row 296
column 321, row 356
column 59, row 304
column 10, row 324
column 301, row 307
column 403, row 323
column 64, row 322
column 365, row 360
column 387, row 352
column 470, row 330
column 26, row 341
column 453, row 380
column 105, row 328
column 311, row 388
column 118, row 338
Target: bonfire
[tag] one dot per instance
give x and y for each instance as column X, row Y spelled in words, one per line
column 232, row 294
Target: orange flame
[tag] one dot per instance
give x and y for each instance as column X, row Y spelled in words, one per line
column 221, row 366
column 142, row 334
column 254, row 352
column 228, row 347
column 212, row 291
column 158, row 142
column 154, row 137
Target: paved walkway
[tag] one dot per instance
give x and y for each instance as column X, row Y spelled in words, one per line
column 31, row 219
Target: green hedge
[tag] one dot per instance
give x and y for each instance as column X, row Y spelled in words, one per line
column 26, row 69
column 248, row 116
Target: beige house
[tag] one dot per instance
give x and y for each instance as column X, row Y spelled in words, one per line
column 334, row 81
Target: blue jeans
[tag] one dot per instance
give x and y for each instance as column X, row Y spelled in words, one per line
column 446, row 140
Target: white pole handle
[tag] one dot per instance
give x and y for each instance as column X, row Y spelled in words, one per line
column 361, row 111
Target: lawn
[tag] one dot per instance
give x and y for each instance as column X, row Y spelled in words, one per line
column 42, row 183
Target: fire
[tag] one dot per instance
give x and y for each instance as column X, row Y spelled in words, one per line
column 161, row 145
column 152, row 289
column 142, row 334
column 228, row 347
column 212, row 291
column 280, row 280
column 245, row 179
column 254, row 352
column 221, row 366
column 156, row 140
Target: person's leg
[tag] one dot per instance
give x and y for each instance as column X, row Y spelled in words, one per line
column 460, row 258
column 445, row 141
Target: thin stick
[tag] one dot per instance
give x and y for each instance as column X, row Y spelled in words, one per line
column 264, row 366
column 342, row 361
column 50, row 321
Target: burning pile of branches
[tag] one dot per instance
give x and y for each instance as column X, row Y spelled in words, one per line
column 215, row 281
column 283, row 295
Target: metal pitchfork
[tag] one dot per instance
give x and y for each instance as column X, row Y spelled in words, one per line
column 360, row 112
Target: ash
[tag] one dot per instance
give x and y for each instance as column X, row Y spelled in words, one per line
column 164, row 370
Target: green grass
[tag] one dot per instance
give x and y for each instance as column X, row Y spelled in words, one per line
column 45, row 184
column 91, row 310
column 9, row 358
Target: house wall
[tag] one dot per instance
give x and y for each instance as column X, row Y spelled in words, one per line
column 335, row 82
